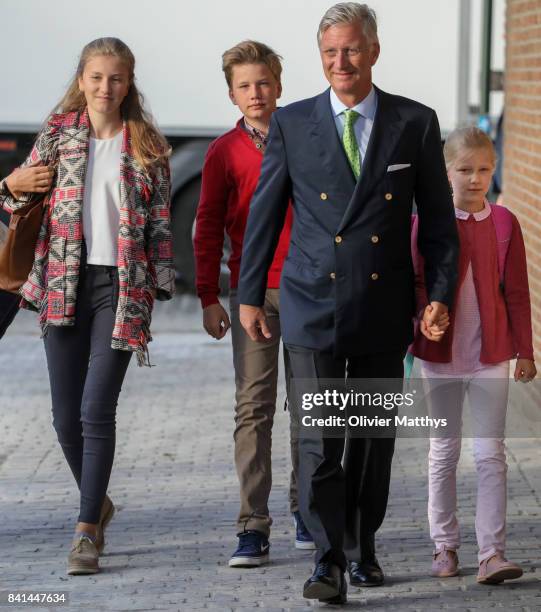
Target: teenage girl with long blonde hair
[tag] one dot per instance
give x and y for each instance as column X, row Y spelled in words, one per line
column 103, row 255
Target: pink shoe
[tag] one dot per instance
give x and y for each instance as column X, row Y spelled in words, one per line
column 496, row 569
column 445, row 563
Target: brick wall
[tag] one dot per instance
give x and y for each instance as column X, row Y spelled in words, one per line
column 522, row 150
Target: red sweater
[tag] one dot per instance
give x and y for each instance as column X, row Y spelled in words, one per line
column 230, row 175
column 506, row 327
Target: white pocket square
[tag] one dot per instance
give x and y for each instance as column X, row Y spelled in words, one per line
column 395, row 167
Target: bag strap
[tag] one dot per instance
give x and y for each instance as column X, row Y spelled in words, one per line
column 502, row 218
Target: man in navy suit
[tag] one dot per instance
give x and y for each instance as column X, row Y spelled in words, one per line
column 352, row 160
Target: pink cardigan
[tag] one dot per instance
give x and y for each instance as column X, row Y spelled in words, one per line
column 506, row 328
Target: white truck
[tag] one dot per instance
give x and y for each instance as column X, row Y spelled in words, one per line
column 431, row 50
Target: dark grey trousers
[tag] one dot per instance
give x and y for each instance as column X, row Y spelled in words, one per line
column 344, row 482
column 86, row 377
column 9, row 307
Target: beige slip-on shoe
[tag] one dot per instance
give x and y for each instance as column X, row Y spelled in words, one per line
column 445, row 563
column 83, row 557
column 107, row 513
column 496, row 569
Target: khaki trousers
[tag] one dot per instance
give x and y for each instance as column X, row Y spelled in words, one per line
column 256, row 376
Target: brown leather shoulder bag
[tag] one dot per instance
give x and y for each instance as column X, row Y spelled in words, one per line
column 17, row 252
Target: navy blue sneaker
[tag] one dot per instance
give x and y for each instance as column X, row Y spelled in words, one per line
column 252, row 551
column 303, row 539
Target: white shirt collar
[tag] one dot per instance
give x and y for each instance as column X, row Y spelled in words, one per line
column 365, row 108
column 478, row 216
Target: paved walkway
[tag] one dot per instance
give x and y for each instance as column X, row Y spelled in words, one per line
column 176, row 491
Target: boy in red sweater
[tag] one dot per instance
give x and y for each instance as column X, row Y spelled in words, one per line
column 230, row 174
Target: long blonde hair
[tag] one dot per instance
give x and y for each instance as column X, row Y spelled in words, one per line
column 150, row 148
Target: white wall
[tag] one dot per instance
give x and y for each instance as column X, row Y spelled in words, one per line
column 178, row 45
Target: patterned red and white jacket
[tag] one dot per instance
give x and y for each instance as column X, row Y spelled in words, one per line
column 144, row 237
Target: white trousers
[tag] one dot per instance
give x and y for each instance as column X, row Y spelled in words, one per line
column 486, row 388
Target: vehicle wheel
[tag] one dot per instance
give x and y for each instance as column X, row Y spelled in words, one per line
column 183, row 209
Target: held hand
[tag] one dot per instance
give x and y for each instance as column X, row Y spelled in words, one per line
column 435, row 321
column 254, row 321
column 525, row 370
column 216, row 321
column 31, row 179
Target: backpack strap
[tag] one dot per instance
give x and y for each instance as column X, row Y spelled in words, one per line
column 409, row 358
column 502, row 218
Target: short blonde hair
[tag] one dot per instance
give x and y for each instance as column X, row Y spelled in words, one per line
column 251, row 52
column 350, row 12
column 466, row 139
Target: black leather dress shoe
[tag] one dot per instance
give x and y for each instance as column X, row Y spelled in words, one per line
column 365, row 573
column 327, row 584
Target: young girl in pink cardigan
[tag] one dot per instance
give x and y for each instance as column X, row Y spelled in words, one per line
column 490, row 324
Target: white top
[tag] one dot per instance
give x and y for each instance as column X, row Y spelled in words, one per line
column 101, row 202
column 363, row 126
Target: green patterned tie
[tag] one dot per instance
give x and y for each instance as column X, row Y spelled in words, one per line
column 350, row 142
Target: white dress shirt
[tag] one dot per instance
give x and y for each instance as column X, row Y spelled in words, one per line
column 363, row 126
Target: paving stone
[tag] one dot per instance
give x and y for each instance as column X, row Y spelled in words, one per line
column 176, row 492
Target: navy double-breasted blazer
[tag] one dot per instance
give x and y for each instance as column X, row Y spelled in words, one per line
column 347, row 285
